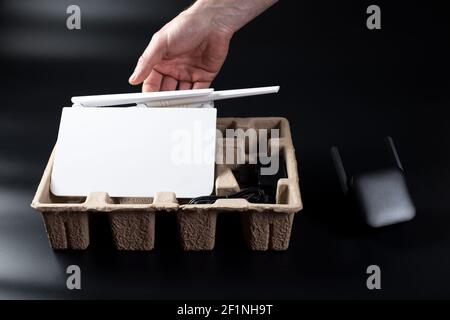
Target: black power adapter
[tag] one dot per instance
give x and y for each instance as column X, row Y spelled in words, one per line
column 255, row 186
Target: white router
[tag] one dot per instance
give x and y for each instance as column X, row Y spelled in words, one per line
column 166, row 142
column 189, row 98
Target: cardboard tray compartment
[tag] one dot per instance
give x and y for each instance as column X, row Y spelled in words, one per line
column 266, row 226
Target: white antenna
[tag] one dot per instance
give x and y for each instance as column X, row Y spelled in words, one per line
column 130, row 98
column 170, row 98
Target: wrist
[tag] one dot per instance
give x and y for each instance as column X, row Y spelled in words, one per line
column 226, row 17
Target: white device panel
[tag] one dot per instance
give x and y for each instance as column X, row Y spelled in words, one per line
column 135, row 152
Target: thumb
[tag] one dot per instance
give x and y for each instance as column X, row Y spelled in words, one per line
column 152, row 55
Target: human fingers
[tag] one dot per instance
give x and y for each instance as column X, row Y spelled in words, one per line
column 153, row 82
column 184, row 85
column 168, row 83
column 201, row 85
column 152, row 55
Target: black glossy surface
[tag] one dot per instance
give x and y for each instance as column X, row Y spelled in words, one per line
column 341, row 84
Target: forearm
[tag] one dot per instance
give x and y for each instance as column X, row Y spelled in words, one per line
column 230, row 15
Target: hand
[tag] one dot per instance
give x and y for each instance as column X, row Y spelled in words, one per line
column 188, row 52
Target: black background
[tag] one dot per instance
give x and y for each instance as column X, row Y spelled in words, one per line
column 341, row 84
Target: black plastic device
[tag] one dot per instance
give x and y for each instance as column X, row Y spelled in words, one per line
column 382, row 196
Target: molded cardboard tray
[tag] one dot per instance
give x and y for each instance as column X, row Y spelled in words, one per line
column 266, row 226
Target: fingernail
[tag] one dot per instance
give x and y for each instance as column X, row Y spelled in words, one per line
column 132, row 77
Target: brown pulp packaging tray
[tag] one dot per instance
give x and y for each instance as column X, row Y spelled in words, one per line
column 266, row 226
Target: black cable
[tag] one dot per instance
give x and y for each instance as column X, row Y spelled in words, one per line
column 252, row 194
